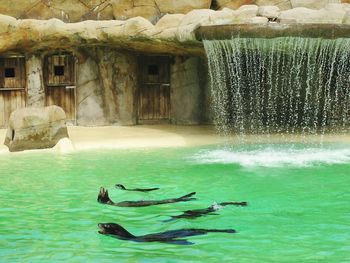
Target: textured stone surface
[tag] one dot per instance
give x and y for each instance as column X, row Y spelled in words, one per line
column 125, row 9
column 186, row 91
column 36, row 128
column 106, row 86
column 206, row 17
column 281, row 4
column 89, row 94
column 313, row 4
column 181, row 6
column 137, row 34
column 306, row 15
column 173, row 34
column 233, row 4
column 166, row 27
column 35, row 81
column 269, row 11
column 347, row 18
column 66, row 10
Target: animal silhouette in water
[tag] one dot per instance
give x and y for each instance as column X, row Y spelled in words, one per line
column 191, row 214
column 104, row 199
column 122, row 187
column 170, row 237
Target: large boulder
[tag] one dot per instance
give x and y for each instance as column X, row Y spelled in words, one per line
column 329, row 15
column 281, row 4
column 313, row 4
column 125, row 9
column 233, row 4
column 246, row 14
column 181, row 6
column 271, row 12
column 36, row 128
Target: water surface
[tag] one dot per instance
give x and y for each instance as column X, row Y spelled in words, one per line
column 298, row 204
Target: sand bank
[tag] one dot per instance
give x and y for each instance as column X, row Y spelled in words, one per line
column 155, row 136
column 142, row 136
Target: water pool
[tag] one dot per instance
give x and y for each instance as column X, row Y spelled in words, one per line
column 298, row 204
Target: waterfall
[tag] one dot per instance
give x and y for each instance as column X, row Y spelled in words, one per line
column 280, row 85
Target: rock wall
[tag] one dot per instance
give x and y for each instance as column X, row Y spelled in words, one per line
column 172, row 34
column 106, row 87
column 79, row 10
column 89, row 98
column 35, row 81
column 68, row 11
column 188, row 91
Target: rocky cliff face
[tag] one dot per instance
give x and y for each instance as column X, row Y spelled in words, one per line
column 172, row 34
column 153, row 10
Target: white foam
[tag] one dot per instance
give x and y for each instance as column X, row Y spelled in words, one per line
column 4, row 150
column 216, row 206
column 276, row 156
column 64, row 145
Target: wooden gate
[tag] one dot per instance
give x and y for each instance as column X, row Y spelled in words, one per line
column 60, row 83
column 12, row 87
column 154, row 91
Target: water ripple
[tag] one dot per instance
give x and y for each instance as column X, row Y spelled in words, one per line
column 274, row 157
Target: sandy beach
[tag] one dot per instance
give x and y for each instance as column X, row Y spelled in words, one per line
column 142, row 136
column 156, row 136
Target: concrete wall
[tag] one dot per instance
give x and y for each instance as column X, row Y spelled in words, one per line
column 189, row 91
column 107, row 83
column 106, row 87
column 35, row 81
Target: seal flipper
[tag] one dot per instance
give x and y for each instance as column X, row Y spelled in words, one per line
column 187, row 196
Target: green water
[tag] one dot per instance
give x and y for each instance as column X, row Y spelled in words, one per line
column 298, row 204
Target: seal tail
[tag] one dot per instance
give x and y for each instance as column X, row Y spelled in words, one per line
column 187, row 196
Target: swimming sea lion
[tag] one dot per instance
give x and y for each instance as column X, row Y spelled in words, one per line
column 209, row 210
column 122, row 187
column 104, row 199
column 171, row 237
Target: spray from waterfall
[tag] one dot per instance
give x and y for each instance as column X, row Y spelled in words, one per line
column 280, row 85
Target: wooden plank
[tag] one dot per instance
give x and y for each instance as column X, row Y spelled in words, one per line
column 7, row 107
column 72, row 103
column 2, row 76
column 64, row 98
column 162, row 110
column 9, row 102
column 2, row 110
column 157, row 99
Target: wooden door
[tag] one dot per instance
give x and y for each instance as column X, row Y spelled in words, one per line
column 154, row 91
column 12, row 87
column 64, row 97
column 60, row 83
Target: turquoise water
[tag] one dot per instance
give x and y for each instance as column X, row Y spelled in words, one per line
column 298, row 209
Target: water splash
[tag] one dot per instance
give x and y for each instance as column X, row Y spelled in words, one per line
column 274, row 156
column 280, row 85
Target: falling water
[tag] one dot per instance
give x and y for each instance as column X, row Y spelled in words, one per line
column 280, row 85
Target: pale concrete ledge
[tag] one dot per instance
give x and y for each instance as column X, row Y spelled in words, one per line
column 273, row 30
